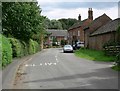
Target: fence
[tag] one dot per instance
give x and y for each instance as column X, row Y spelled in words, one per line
column 112, row 50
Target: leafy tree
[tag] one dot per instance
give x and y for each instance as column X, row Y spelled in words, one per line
column 22, row 20
column 67, row 23
column 56, row 24
column 47, row 23
column 52, row 24
column 59, row 24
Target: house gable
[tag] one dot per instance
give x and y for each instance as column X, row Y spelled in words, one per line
column 97, row 23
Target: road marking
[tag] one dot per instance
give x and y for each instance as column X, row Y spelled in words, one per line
column 45, row 63
column 33, row 65
column 41, row 64
column 54, row 63
column 49, row 63
column 56, row 59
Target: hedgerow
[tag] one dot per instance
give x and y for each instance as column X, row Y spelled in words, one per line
column 6, row 51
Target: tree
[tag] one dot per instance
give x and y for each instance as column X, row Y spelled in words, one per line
column 67, row 23
column 22, row 20
column 52, row 24
column 47, row 23
column 56, row 24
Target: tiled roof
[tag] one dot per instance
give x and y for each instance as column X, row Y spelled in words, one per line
column 57, row 32
column 77, row 24
column 98, row 22
column 109, row 27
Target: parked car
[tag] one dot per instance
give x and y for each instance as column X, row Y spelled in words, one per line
column 78, row 45
column 74, row 47
column 67, row 48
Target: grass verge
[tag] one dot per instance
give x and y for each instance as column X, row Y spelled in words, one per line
column 94, row 55
column 117, row 68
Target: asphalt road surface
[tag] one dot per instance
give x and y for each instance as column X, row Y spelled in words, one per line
column 53, row 69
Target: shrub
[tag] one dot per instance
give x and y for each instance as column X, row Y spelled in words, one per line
column 37, row 47
column 117, row 61
column 16, row 47
column 33, row 47
column 6, row 51
column 111, row 43
column 24, row 47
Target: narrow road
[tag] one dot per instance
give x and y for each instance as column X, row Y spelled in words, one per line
column 54, row 69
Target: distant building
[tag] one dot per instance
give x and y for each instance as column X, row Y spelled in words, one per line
column 57, row 35
column 76, row 31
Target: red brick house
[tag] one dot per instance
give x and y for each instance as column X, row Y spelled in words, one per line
column 76, row 31
column 104, row 34
column 56, row 34
column 92, row 27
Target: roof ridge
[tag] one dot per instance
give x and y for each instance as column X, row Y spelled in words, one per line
column 101, row 29
column 78, row 22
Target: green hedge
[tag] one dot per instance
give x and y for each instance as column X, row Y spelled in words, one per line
column 16, row 47
column 21, row 48
column 37, row 46
column 6, row 51
column 33, row 47
column 24, row 48
column 11, row 47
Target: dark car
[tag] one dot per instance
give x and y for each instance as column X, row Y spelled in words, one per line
column 78, row 45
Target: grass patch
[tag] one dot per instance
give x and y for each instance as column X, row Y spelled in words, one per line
column 117, row 68
column 94, row 55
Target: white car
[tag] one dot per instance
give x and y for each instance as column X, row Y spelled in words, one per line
column 67, row 48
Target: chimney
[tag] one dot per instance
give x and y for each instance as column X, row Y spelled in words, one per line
column 79, row 17
column 90, row 14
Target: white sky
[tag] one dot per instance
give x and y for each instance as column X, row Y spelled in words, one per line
column 55, row 9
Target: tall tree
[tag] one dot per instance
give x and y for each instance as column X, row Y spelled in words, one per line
column 22, row 20
column 67, row 23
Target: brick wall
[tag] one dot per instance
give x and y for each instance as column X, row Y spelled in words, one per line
column 97, row 42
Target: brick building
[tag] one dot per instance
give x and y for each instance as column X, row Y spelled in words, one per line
column 76, row 31
column 104, row 34
column 58, row 35
column 92, row 27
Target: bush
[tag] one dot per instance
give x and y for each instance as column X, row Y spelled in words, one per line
column 24, row 47
column 37, row 47
column 33, row 47
column 6, row 51
column 16, row 47
column 111, row 43
column 117, row 61
column 21, row 48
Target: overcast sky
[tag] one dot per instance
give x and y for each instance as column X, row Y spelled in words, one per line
column 56, row 9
